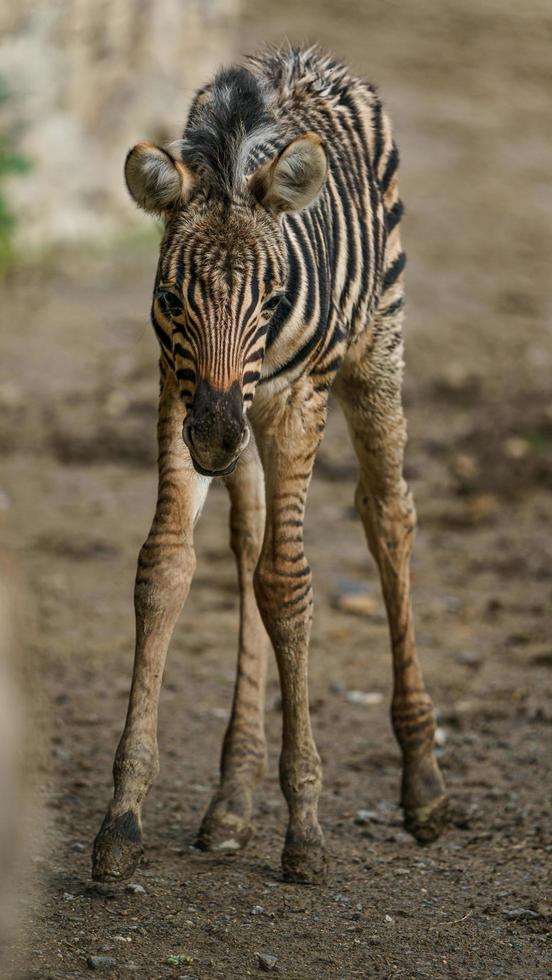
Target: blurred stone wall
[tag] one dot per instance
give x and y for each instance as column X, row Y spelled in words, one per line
column 87, row 79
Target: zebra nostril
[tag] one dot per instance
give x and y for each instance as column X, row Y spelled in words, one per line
column 245, row 437
column 187, row 435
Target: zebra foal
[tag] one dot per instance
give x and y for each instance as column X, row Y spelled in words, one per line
column 279, row 279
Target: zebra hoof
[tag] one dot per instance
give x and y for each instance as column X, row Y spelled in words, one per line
column 117, row 849
column 226, row 825
column 304, row 862
column 223, row 833
column 426, row 823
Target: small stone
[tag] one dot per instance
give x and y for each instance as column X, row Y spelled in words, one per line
column 516, row 447
column 221, row 713
column 440, row 737
column 266, row 961
column 257, row 910
column 480, row 507
column 464, row 466
column 135, row 889
column 358, row 603
column 364, row 697
column 179, row 959
column 365, row 817
column 389, row 919
column 101, row 962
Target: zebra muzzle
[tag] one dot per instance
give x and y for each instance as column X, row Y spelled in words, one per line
column 215, row 430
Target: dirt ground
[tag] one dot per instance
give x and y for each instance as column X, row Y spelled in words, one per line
column 468, row 85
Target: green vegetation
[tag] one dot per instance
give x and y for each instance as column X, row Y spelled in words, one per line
column 11, row 162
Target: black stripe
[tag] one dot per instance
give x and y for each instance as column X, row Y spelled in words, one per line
column 394, row 271
column 163, row 337
column 301, row 354
column 254, row 356
column 276, row 324
column 309, row 272
column 254, row 335
column 390, row 168
column 180, row 351
column 190, row 294
column 349, row 214
column 393, row 216
column 253, row 304
column 337, row 337
column 378, row 133
column 369, row 262
column 392, row 308
column 332, row 366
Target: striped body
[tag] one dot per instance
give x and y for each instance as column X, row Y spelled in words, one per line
column 342, row 254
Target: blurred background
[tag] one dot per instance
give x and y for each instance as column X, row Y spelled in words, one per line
column 468, row 85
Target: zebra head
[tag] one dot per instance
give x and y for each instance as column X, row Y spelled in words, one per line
column 222, row 271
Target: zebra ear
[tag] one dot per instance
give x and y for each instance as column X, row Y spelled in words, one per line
column 155, row 179
column 294, row 178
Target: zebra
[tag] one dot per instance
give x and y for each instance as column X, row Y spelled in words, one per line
column 280, row 279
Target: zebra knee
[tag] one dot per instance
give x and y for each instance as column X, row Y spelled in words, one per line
column 163, row 577
column 263, row 582
column 284, row 596
column 246, row 541
column 390, row 513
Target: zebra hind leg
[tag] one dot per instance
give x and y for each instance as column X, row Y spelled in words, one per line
column 227, row 822
column 369, row 390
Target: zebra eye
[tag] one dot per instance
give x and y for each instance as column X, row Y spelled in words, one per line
column 272, row 303
column 170, row 304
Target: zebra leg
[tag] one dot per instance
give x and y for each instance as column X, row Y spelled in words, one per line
column 165, row 568
column 369, row 388
column 288, row 431
column 226, row 824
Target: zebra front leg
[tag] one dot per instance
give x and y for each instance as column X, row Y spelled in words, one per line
column 226, row 824
column 288, row 432
column 165, row 568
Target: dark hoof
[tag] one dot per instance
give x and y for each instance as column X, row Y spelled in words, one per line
column 426, row 823
column 305, row 863
column 226, row 832
column 117, row 849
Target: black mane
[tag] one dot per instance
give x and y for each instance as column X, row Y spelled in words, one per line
column 227, row 120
